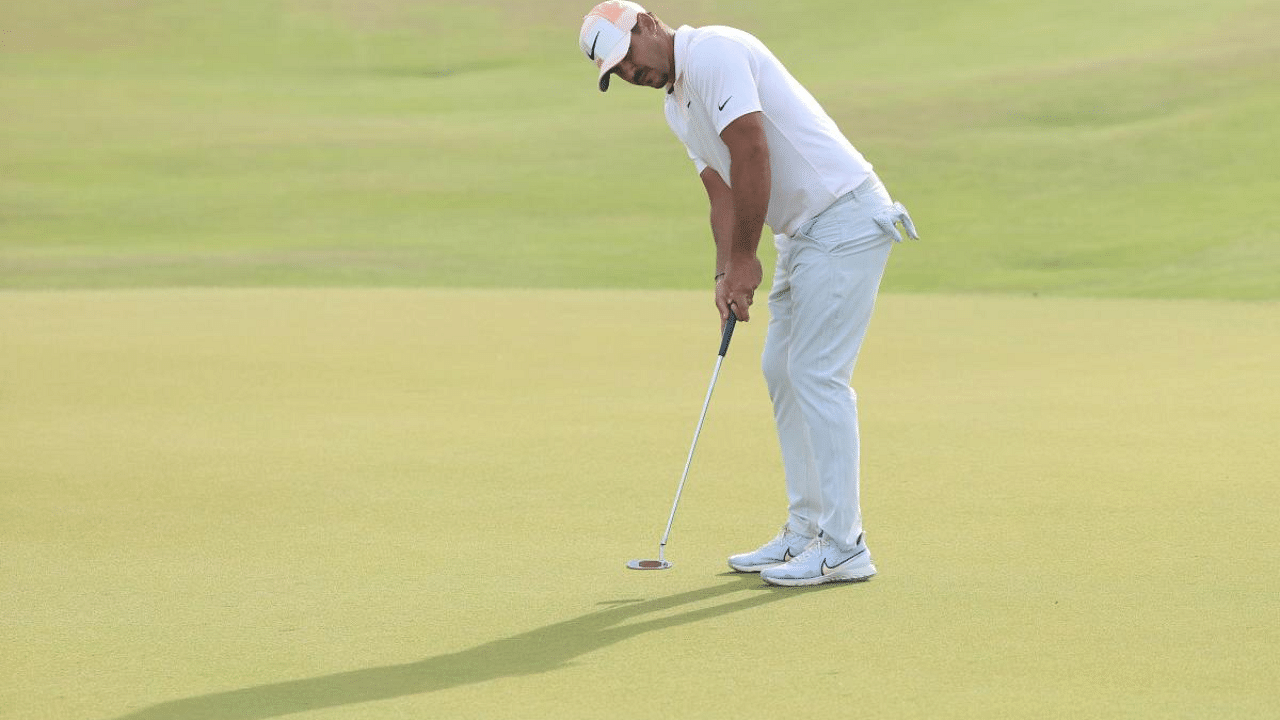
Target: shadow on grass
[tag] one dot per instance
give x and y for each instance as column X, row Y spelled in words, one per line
column 537, row 651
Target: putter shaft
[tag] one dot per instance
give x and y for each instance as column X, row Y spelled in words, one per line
column 726, row 335
column 689, row 461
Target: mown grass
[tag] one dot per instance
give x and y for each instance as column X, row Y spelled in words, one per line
column 371, row 503
column 345, row 502
column 1111, row 149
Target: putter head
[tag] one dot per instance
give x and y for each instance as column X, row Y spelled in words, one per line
column 648, row 564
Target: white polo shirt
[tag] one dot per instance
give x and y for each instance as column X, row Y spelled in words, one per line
column 723, row 74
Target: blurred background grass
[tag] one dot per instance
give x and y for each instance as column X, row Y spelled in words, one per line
column 1087, row 148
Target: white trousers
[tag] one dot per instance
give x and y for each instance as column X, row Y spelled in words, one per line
column 824, row 290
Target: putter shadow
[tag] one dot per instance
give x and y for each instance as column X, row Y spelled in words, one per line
column 537, row 651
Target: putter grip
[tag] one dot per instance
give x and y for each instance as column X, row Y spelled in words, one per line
column 728, row 333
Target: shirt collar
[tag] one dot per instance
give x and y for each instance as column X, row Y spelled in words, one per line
column 683, row 35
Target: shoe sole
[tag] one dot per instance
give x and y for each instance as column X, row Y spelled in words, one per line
column 754, row 568
column 861, row 574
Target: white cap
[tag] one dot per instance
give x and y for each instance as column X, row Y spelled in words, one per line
column 606, row 35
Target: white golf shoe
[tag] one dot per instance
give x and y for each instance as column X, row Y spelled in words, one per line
column 823, row 562
column 779, row 550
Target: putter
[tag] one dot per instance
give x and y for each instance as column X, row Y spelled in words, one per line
column 661, row 563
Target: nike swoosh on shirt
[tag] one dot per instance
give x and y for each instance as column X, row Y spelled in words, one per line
column 726, row 102
column 827, row 569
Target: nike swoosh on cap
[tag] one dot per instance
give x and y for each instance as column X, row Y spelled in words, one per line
column 592, row 55
column 826, row 569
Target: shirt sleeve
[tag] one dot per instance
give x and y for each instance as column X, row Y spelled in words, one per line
column 723, row 78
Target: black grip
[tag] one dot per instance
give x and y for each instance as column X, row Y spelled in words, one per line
column 728, row 333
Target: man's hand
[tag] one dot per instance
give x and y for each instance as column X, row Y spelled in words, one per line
column 736, row 290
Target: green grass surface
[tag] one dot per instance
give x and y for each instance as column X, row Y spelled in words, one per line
column 1087, row 148
column 412, row 503
column 348, row 350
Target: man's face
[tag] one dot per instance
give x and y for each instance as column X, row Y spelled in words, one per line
column 647, row 62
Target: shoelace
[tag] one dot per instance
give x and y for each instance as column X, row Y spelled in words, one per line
column 782, row 538
column 816, row 547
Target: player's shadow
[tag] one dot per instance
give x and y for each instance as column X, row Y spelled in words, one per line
column 537, row 651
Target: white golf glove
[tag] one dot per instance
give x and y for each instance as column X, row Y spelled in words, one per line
column 889, row 219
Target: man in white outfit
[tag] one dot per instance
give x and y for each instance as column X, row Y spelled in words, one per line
column 767, row 152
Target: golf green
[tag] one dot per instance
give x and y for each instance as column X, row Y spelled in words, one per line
column 329, row 503
column 349, row 350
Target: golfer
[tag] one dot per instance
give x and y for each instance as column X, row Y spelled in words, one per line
column 768, row 153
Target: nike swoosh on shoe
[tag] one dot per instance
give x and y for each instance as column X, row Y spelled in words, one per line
column 828, row 569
